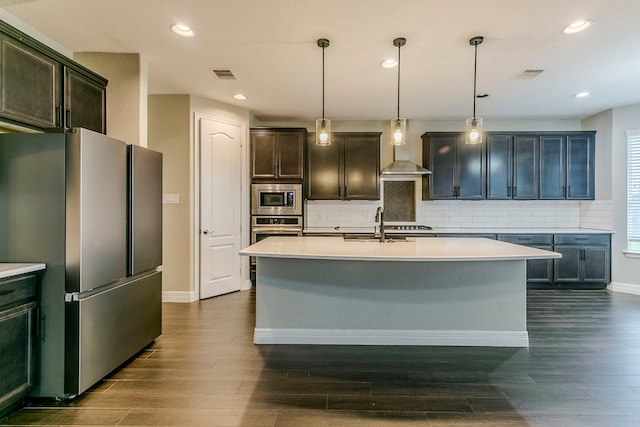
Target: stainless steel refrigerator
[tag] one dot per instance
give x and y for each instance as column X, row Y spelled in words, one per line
column 90, row 208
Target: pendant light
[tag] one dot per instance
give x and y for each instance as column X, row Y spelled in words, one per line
column 323, row 126
column 398, row 125
column 474, row 124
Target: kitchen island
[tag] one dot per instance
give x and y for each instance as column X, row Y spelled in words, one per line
column 420, row 291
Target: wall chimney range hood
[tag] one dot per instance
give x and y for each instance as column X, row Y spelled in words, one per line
column 401, row 165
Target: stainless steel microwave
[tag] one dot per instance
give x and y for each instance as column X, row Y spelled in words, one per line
column 276, row 199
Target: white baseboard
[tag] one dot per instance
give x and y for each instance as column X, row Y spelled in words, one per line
column 392, row 337
column 178, row 296
column 626, row 288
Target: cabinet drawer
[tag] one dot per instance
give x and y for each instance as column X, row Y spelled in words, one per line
column 527, row 239
column 581, row 239
column 16, row 289
column 482, row 235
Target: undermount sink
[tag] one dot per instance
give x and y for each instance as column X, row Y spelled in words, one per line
column 370, row 237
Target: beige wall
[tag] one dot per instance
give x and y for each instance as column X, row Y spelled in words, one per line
column 602, row 123
column 169, row 133
column 172, row 124
column 126, row 92
column 612, row 168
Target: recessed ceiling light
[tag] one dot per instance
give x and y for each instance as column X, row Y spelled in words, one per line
column 576, row 27
column 389, row 63
column 581, row 94
column 240, row 96
column 182, row 30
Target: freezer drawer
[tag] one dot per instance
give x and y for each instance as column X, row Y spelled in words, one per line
column 105, row 329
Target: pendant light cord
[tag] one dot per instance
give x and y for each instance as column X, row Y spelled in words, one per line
column 398, row 110
column 323, row 82
column 475, row 72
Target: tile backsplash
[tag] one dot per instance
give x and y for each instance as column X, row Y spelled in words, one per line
column 467, row 213
column 596, row 214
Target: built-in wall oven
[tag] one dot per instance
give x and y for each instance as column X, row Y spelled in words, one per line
column 265, row 226
column 276, row 210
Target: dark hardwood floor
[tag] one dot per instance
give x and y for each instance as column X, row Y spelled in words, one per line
column 582, row 369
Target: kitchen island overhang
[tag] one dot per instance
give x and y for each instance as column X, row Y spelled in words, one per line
column 422, row 291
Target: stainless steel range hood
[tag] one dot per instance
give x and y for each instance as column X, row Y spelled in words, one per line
column 402, row 165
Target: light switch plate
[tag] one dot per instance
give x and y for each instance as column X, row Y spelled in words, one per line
column 170, row 198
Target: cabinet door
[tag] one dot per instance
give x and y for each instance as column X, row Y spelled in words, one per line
column 263, row 154
column 525, row 167
column 596, row 264
column 470, row 170
column 580, row 166
column 85, row 102
column 17, row 361
column 324, row 171
column 567, row 269
column 30, row 85
column 499, row 165
column 540, row 271
column 361, row 167
column 440, row 158
column 552, row 167
column 290, row 155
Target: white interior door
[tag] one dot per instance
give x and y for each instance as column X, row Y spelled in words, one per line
column 220, row 204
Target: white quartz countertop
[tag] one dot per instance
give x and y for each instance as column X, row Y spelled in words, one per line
column 457, row 230
column 14, row 269
column 413, row 249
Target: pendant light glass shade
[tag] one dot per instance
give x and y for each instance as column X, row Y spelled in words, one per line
column 398, row 131
column 323, row 132
column 473, row 133
column 323, row 126
column 398, row 125
column 474, row 130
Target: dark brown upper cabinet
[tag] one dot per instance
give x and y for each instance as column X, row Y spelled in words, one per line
column 348, row 169
column 458, row 170
column 519, row 166
column 277, row 153
column 30, row 84
column 42, row 89
column 85, row 102
column 512, row 166
column 567, row 166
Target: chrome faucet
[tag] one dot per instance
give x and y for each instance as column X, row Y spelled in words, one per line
column 380, row 218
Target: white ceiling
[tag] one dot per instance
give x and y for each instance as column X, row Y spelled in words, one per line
column 270, row 46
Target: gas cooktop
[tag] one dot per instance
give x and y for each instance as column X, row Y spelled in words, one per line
column 408, row 227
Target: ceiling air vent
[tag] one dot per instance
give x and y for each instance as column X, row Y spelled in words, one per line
column 223, row 74
column 528, row 74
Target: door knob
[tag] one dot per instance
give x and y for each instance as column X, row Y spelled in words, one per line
column 205, row 231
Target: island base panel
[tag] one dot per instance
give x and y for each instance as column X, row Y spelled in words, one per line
column 304, row 301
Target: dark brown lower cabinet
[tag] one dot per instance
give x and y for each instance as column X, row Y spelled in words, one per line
column 585, row 262
column 586, row 259
column 17, row 339
column 539, row 271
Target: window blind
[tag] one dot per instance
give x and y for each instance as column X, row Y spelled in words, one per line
column 633, row 191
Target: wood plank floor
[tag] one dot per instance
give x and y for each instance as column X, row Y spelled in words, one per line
column 581, row 369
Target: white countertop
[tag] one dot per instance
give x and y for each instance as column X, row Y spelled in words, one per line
column 413, row 249
column 458, row 230
column 14, row 269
